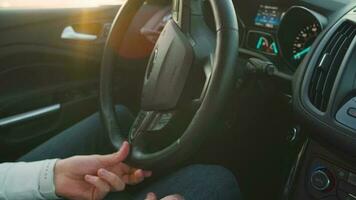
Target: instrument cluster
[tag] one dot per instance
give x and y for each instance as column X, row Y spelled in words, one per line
column 282, row 32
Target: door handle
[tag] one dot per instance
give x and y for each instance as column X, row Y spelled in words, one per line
column 70, row 34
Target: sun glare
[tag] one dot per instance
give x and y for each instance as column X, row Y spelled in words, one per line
column 35, row 4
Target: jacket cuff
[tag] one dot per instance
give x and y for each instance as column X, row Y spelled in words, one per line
column 46, row 180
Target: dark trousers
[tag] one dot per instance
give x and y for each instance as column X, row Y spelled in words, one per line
column 196, row 182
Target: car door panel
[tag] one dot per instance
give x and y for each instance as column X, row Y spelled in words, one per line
column 51, row 59
column 40, row 70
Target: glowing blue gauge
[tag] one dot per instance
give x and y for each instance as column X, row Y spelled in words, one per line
column 262, row 42
column 301, row 54
column 274, row 48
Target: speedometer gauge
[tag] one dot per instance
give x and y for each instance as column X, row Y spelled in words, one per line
column 304, row 41
column 297, row 32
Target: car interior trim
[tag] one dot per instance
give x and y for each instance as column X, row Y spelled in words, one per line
column 29, row 115
column 70, row 34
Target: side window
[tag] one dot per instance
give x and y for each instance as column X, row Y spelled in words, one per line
column 52, row 4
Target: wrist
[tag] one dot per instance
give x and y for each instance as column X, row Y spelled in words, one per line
column 58, row 178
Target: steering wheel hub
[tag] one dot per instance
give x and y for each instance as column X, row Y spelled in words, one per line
column 168, row 70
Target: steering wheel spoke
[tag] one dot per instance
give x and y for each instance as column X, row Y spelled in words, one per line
column 141, row 124
column 203, row 41
column 149, row 121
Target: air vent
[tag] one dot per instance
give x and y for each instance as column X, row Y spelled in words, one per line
column 324, row 75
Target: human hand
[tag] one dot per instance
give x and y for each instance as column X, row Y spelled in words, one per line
column 93, row 177
column 152, row 196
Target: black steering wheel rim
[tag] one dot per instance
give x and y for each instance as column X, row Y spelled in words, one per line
column 220, row 85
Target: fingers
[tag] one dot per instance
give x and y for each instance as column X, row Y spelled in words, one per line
column 125, row 169
column 101, row 187
column 173, row 197
column 147, row 174
column 117, row 157
column 134, row 177
column 115, row 182
column 151, row 196
column 98, row 183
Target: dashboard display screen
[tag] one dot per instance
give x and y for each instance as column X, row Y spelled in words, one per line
column 268, row 16
column 262, row 42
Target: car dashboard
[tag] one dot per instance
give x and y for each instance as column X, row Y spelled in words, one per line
column 286, row 33
column 281, row 31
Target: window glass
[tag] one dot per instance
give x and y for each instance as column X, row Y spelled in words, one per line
column 26, row 4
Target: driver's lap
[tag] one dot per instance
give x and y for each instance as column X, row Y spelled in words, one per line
column 88, row 137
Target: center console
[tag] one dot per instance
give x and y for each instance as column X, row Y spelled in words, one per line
column 324, row 91
column 324, row 174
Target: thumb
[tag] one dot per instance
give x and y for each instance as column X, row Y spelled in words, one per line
column 151, row 196
column 122, row 154
column 117, row 157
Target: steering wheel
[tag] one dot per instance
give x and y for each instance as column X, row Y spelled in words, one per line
column 189, row 78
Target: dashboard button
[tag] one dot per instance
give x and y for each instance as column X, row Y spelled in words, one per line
column 342, row 174
column 321, row 180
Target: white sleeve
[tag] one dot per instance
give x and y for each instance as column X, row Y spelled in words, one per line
column 33, row 180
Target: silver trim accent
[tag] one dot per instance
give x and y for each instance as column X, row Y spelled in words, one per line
column 323, row 59
column 143, row 120
column 326, row 186
column 28, row 115
column 294, row 171
column 352, row 196
column 70, row 34
column 293, row 134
